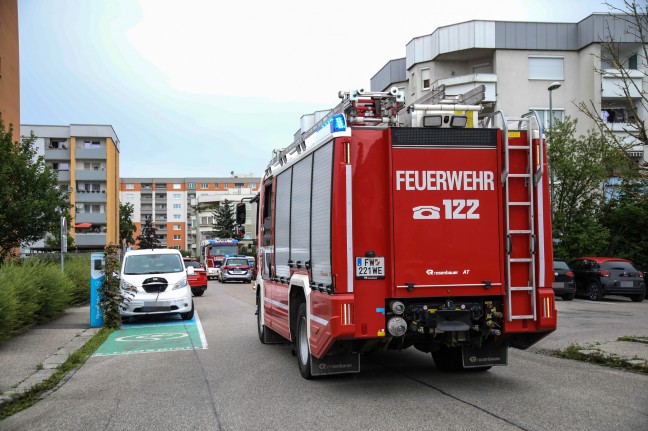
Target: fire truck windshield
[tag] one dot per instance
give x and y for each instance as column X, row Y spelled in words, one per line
column 223, row 250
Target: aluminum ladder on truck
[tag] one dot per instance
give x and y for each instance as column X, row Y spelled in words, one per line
column 517, row 278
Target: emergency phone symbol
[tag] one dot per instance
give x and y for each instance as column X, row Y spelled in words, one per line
column 427, row 212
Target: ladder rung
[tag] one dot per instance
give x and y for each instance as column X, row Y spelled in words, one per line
column 521, row 289
column 520, row 259
column 519, row 203
column 519, row 175
column 520, row 232
column 522, row 316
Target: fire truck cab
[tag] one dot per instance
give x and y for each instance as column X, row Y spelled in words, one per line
column 387, row 227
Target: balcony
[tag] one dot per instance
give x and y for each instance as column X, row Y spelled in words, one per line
column 464, row 83
column 63, row 176
column 90, row 240
column 91, row 197
column 613, row 84
column 57, row 154
column 91, row 175
column 91, row 153
column 94, row 218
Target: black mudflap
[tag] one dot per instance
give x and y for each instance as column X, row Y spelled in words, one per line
column 339, row 363
column 485, row 356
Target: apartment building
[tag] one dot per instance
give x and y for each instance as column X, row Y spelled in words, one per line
column 182, row 208
column 517, row 62
column 9, row 66
column 86, row 160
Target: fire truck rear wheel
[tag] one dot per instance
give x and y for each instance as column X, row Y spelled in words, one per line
column 303, row 351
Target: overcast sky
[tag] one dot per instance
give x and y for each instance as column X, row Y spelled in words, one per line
column 200, row 88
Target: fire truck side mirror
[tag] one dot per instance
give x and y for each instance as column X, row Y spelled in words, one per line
column 240, row 213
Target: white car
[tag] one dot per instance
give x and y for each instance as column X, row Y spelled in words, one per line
column 154, row 281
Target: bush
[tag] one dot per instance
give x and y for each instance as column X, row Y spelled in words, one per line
column 77, row 269
column 36, row 291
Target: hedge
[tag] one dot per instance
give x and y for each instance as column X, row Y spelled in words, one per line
column 36, row 291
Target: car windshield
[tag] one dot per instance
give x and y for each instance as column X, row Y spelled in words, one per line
column 242, row 262
column 559, row 264
column 218, row 263
column 618, row 266
column 152, row 264
column 193, row 263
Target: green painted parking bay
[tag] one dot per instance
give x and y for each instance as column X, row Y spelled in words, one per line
column 152, row 337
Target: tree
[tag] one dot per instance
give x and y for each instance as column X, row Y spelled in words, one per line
column 225, row 222
column 31, row 201
column 621, row 59
column 126, row 226
column 53, row 239
column 581, row 166
column 625, row 216
column 148, row 238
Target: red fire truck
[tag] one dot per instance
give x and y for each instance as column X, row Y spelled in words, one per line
column 385, row 227
column 213, row 250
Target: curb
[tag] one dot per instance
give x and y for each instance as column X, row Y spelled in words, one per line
column 49, row 367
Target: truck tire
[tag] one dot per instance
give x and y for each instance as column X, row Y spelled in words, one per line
column 448, row 358
column 261, row 329
column 301, row 344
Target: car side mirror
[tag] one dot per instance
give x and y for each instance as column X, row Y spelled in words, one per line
column 191, row 271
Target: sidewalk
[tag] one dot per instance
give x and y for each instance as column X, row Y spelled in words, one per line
column 32, row 357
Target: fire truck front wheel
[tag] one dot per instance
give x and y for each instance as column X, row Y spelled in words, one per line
column 303, row 351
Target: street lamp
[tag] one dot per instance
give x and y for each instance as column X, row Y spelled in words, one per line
column 552, row 87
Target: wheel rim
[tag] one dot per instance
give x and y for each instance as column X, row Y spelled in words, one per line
column 593, row 291
column 303, row 342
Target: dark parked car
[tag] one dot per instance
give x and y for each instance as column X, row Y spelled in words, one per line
column 564, row 284
column 600, row 276
column 197, row 281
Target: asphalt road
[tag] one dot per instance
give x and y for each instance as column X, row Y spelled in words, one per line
column 240, row 384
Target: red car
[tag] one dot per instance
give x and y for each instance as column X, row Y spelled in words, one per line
column 198, row 281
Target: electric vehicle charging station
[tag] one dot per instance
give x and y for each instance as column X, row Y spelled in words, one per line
column 96, row 281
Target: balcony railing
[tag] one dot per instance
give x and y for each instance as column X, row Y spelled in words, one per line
column 613, row 83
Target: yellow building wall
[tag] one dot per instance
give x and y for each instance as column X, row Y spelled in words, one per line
column 112, row 192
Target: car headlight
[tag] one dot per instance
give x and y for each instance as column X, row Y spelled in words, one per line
column 125, row 285
column 180, row 284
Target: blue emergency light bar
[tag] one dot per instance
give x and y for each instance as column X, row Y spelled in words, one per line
column 336, row 123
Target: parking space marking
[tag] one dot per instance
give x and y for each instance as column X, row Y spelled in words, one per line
column 153, row 337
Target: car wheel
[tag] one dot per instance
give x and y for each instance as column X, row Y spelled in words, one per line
column 189, row 314
column 303, row 350
column 594, row 291
column 638, row 298
column 568, row 297
column 198, row 292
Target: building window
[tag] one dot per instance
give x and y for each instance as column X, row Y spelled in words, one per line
column 176, row 227
column 191, row 186
column 632, row 62
column 176, row 237
column 177, row 196
column 177, row 247
column 543, row 115
column 177, row 216
column 425, row 78
column 177, row 187
column 238, row 185
column 91, row 144
column 130, row 186
column 546, row 68
column 129, row 196
column 177, row 206
column 611, row 114
column 226, row 185
column 413, row 82
column 204, row 186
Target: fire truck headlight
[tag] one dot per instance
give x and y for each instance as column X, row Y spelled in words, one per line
column 397, row 307
column 397, row 326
